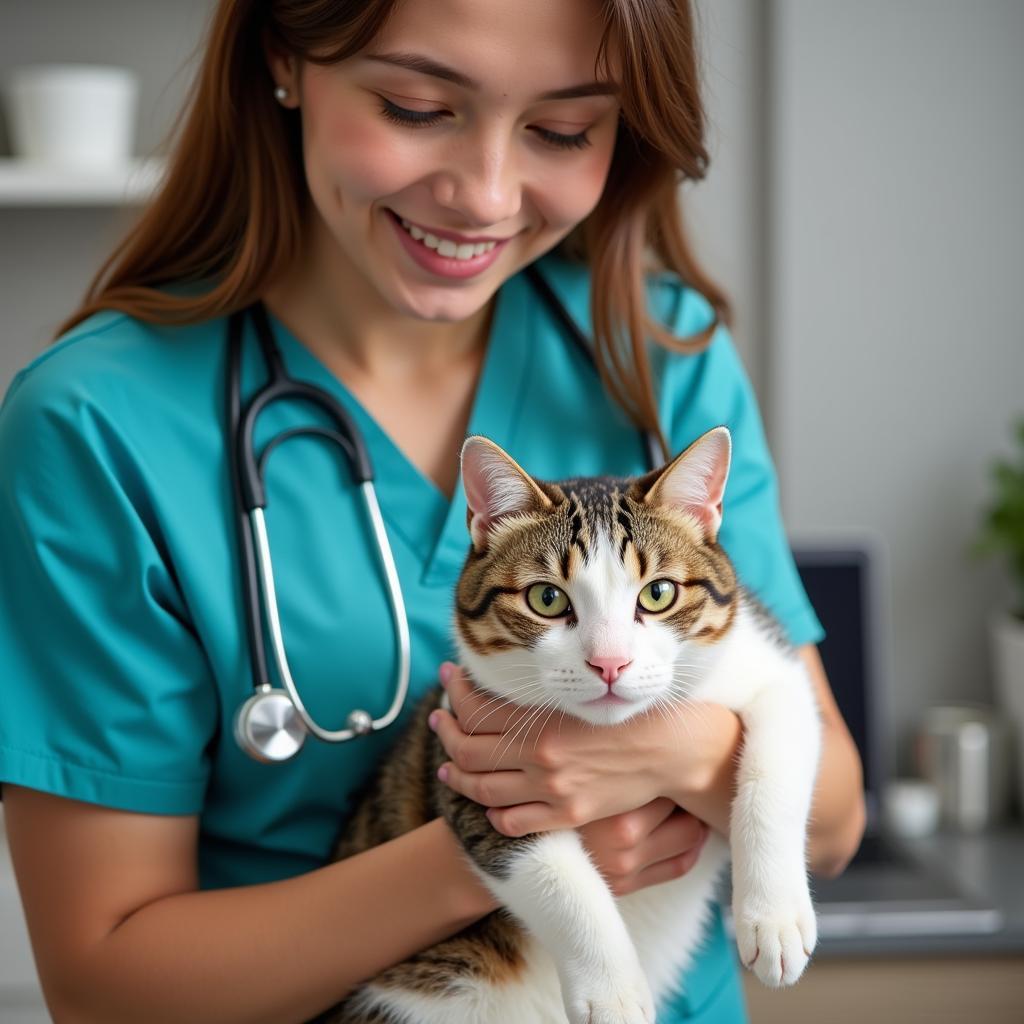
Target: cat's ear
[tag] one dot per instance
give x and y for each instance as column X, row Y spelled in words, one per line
column 694, row 481
column 496, row 487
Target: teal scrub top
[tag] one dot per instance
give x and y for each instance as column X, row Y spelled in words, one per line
column 122, row 635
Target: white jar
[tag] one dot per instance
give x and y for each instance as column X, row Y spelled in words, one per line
column 964, row 751
column 910, row 808
column 73, row 114
column 1007, row 632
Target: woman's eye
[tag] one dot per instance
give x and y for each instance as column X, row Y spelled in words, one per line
column 560, row 141
column 426, row 118
column 547, row 600
column 657, row 596
column 410, row 118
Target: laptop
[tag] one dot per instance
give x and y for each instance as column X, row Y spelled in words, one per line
column 885, row 890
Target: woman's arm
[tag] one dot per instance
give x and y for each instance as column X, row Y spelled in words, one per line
column 837, row 813
column 120, row 932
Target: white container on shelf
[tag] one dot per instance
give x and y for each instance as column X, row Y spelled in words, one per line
column 72, row 114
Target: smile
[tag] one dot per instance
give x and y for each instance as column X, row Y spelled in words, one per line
column 445, row 246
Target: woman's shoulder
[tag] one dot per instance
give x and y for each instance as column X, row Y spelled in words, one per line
column 115, row 361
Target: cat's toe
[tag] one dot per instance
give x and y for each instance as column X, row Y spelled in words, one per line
column 618, row 1011
column 776, row 944
column 629, row 1001
column 782, row 957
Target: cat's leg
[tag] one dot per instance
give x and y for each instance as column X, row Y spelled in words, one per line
column 772, row 909
column 668, row 921
column 550, row 884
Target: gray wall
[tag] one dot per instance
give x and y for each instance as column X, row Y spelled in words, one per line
column 726, row 211
column 896, row 358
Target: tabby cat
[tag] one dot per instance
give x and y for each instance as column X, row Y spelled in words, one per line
column 592, row 570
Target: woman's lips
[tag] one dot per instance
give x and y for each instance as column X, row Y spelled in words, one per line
column 450, row 266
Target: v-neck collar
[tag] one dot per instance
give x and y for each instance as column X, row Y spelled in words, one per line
column 413, row 506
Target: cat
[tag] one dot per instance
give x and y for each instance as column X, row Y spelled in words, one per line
column 603, row 570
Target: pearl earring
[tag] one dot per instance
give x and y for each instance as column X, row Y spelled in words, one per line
column 281, row 93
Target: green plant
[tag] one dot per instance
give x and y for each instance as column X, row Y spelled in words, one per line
column 1003, row 525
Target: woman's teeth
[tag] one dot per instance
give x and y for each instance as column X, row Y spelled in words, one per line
column 445, row 246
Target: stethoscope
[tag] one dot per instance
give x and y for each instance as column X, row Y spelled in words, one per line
column 273, row 723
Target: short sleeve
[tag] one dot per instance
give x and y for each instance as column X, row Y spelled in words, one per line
column 106, row 695
column 710, row 389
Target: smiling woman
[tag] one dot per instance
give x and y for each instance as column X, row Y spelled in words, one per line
column 380, row 181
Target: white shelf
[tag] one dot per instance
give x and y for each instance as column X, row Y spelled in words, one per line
column 35, row 183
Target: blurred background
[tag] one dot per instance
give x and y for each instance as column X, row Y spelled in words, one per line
column 864, row 211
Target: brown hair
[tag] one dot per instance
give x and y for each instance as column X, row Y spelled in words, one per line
column 230, row 208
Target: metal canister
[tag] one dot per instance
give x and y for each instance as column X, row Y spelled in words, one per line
column 965, row 752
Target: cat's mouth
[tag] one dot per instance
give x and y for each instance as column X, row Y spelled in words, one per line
column 608, row 698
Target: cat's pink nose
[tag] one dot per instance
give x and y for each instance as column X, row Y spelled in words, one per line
column 609, row 667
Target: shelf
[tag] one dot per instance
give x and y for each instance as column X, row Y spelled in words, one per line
column 35, row 183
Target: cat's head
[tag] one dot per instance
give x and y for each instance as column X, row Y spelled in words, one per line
column 596, row 596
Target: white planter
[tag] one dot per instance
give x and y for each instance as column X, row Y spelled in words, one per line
column 1008, row 663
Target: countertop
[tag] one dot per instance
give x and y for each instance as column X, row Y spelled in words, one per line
column 988, row 866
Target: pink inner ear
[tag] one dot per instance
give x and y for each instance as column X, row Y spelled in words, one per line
column 696, row 482
column 474, row 482
column 494, row 486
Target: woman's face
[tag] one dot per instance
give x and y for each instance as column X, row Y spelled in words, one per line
column 468, row 128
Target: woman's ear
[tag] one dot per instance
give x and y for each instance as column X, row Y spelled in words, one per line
column 284, row 70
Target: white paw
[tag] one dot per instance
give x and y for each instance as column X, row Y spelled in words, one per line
column 626, row 999
column 776, row 937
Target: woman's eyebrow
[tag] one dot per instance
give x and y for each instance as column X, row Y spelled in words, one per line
column 427, row 66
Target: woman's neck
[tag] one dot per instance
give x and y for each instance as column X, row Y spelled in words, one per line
column 328, row 304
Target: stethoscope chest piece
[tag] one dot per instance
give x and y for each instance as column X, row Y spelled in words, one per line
column 268, row 728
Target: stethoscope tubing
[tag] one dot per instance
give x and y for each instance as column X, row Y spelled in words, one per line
column 249, row 495
column 259, row 528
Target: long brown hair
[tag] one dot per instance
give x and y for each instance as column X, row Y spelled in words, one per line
column 230, row 208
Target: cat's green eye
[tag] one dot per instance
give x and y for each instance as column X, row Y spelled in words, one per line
column 657, row 596
column 547, row 600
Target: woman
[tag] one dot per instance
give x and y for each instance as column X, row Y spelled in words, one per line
column 165, row 875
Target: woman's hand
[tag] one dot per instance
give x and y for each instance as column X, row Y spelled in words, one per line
column 648, row 846
column 536, row 771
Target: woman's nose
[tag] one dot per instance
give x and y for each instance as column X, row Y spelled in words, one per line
column 483, row 190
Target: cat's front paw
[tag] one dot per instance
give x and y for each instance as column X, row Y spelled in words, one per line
column 776, row 937
column 618, row 999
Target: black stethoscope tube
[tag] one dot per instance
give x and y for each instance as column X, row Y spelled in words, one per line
column 250, row 580
column 282, row 387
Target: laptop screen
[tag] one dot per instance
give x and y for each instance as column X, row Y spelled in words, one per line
column 838, row 583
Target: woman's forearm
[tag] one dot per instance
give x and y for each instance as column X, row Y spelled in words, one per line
column 280, row 952
column 837, row 810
